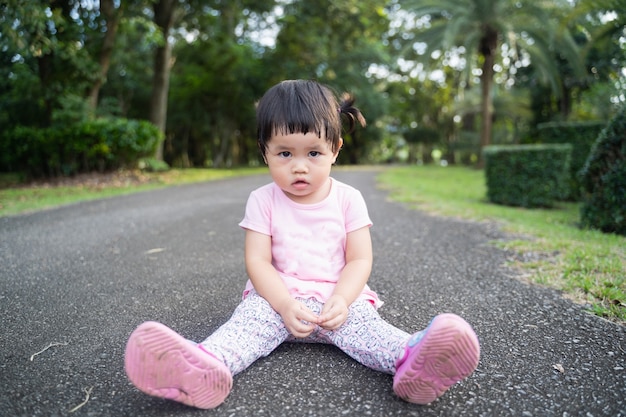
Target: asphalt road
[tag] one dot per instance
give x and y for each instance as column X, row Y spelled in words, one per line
column 85, row 275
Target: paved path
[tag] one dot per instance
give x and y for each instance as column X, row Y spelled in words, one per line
column 85, row 275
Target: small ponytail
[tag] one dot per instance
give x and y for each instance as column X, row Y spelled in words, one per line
column 351, row 113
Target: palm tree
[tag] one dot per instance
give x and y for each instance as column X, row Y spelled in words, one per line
column 479, row 28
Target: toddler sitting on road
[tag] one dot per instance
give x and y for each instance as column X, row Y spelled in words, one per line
column 308, row 255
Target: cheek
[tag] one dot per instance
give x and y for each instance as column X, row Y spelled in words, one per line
column 278, row 170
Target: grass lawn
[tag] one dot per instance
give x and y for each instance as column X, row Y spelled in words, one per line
column 17, row 198
column 588, row 265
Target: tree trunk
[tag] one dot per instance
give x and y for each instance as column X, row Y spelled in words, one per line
column 112, row 16
column 488, row 47
column 163, row 17
column 486, row 108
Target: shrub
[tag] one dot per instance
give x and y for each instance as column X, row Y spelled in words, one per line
column 527, row 175
column 581, row 135
column 603, row 178
column 36, row 152
column 98, row 144
column 152, row 165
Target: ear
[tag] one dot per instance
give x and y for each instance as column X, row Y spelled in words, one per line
column 339, row 146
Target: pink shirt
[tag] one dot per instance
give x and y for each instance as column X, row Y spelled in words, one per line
column 308, row 240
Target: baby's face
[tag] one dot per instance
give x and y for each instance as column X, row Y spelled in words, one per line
column 300, row 164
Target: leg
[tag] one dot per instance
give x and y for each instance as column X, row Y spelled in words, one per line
column 369, row 339
column 436, row 358
column 162, row 363
column 253, row 331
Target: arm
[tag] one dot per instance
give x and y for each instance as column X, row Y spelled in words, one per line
column 353, row 278
column 269, row 285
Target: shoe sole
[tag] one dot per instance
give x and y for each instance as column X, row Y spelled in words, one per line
column 162, row 363
column 447, row 353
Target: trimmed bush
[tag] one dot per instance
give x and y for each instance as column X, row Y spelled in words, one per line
column 603, row 178
column 581, row 135
column 527, row 175
column 99, row 144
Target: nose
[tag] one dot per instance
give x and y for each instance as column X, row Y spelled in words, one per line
column 299, row 166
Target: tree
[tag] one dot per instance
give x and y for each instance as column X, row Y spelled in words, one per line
column 163, row 18
column 215, row 83
column 111, row 19
column 419, row 113
column 188, row 17
column 46, row 40
column 477, row 30
column 341, row 42
column 604, row 51
column 597, row 27
column 68, row 44
column 214, row 91
column 128, row 86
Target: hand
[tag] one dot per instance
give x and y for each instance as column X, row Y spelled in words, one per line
column 334, row 313
column 299, row 319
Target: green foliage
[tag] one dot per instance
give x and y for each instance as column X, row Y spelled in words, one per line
column 127, row 90
column 99, row 144
column 485, row 30
column 604, row 179
column 422, row 135
column 212, row 120
column 527, row 175
column 152, row 165
column 52, row 60
column 341, row 42
column 581, row 135
column 48, row 44
column 596, row 27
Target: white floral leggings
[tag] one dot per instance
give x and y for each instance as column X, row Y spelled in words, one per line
column 256, row 329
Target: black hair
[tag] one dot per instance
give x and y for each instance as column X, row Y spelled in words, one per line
column 303, row 106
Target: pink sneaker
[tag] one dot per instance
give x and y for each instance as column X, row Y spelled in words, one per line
column 162, row 363
column 435, row 359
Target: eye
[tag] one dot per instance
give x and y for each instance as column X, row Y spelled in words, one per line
column 284, row 154
column 314, row 154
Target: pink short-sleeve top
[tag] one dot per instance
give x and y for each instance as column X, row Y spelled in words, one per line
column 308, row 240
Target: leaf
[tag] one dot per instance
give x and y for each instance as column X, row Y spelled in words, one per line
column 155, row 250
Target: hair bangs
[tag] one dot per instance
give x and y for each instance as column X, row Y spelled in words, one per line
column 299, row 106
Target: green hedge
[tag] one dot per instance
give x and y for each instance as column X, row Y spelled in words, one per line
column 603, row 178
column 581, row 135
column 527, row 175
column 99, row 144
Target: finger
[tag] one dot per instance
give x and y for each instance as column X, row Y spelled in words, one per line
column 304, row 320
column 329, row 306
column 331, row 324
column 307, row 315
column 329, row 314
column 326, row 322
column 302, row 329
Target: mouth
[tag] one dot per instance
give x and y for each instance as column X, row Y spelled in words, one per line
column 300, row 184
